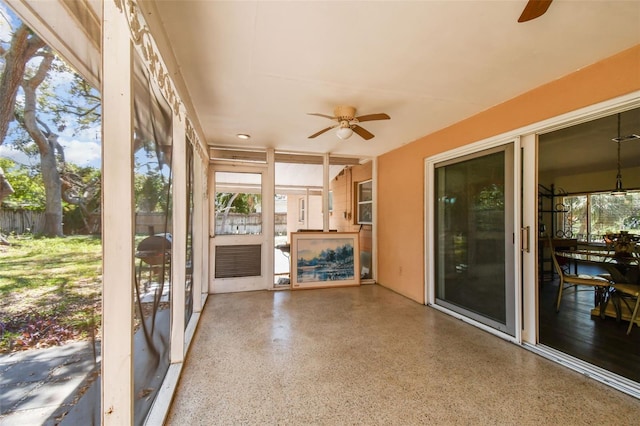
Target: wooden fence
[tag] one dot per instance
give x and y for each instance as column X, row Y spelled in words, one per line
column 21, row 222
column 29, row 222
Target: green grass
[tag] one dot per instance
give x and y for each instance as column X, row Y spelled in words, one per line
column 50, row 291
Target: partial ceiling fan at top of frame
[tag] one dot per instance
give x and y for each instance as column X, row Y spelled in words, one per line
column 534, row 9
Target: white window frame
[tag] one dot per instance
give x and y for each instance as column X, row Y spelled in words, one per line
column 301, row 210
column 364, row 202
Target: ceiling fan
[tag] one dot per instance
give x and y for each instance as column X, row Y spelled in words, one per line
column 534, row 9
column 347, row 122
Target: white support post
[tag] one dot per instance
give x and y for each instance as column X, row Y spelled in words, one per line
column 529, row 326
column 268, row 209
column 306, row 209
column 200, row 232
column 325, row 192
column 179, row 239
column 374, row 219
column 211, row 221
column 206, row 218
column 117, row 219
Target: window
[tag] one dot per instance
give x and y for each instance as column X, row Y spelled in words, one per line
column 301, row 210
column 238, row 203
column 590, row 216
column 365, row 202
column 574, row 221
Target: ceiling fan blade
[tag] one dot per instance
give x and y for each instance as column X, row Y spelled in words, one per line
column 321, row 115
column 534, row 9
column 372, row 117
column 321, row 132
column 364, row 134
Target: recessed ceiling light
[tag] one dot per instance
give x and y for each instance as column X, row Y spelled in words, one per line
column 243, row 136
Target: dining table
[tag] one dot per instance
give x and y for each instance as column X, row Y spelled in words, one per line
column 622, row 269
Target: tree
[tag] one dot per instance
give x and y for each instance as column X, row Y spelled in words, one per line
column 5, row 187
column 151, row 191
column 28, row 191
column 236, row 202
column 81, row 191
column 47, row 108
column 24, row 45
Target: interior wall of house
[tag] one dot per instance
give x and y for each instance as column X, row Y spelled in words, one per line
column 400, row 180
column 343, row 216
column 345, row 187
column 596, row 182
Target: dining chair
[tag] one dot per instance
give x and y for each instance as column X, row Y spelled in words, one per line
column 628, row 291
column 568, row 281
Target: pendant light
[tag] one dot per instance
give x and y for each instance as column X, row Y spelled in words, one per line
column 619, row 190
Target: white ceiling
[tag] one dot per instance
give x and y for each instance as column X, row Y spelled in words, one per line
column 259, row 67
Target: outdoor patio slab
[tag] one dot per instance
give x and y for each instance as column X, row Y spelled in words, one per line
column 35, row 384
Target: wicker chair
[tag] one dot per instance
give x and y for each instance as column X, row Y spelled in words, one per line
column 572, row 281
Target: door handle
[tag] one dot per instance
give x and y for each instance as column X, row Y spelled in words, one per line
column 525, row 242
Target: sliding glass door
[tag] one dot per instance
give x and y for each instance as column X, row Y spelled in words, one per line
column 474, row 255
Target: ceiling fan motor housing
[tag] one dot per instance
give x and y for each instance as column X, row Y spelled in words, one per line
column 344, row 113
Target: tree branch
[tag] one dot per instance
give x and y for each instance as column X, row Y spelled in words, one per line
column 20, row 52
column 74, row 110
column 43, row 70
column 47, row 131
column 30, row 117
column 53, row 139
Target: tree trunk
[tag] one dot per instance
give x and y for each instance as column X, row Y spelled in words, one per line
column 24, row 44
column 53, row 194
column 5, row 187
column 47, row 145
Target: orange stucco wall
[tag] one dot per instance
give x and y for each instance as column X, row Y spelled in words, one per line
column 401, row 172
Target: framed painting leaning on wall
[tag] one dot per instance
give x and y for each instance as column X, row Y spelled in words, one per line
column 324, row 259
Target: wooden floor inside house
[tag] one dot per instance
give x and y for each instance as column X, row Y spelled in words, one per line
column 573, row 330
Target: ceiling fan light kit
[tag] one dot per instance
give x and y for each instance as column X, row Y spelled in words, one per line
column 344, row 132
column 619, row 190
column 347, row 122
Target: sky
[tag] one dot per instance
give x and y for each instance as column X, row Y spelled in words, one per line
column 309, row 248
column 83, row 148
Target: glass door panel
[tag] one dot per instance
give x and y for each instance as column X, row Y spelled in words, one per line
column 238, row 202
column 298, row 207
column 239, row 246
column 474, row 243
column 153, row 196
column 188, row 283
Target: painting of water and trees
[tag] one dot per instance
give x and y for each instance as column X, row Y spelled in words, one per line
column 325, row 259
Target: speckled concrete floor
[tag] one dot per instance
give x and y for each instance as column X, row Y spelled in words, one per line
column 369, row 356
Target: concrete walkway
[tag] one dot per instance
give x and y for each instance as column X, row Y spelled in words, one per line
column 39, row 386
column 43, row 386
